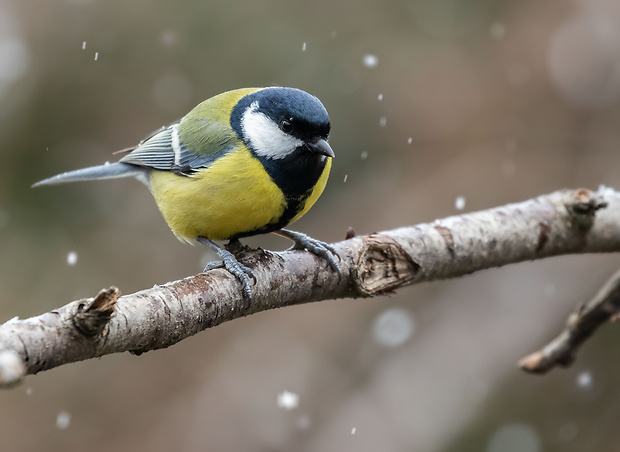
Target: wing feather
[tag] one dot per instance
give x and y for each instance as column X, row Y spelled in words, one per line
column 163, row 150
column 156, row 152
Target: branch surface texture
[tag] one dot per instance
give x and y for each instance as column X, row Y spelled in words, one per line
column 580, row 325
column 563, row 222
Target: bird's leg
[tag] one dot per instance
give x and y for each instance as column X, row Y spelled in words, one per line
column 316, row 247
column 235, row 246
column 230, row 263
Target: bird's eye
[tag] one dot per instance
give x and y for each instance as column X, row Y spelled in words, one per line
column 286, row 125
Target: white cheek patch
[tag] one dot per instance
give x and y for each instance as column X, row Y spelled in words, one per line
column 265, row 137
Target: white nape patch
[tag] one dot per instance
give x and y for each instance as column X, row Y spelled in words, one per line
column 264, row 135
column 176, row 144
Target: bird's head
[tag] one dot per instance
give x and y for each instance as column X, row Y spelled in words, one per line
column 276, row 122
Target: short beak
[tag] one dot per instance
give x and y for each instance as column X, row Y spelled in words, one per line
column 320, row 146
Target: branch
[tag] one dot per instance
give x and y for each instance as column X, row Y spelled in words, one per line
column 580, row 325
column 562, row 222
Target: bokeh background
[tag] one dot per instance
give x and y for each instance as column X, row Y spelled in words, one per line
column 432, row 101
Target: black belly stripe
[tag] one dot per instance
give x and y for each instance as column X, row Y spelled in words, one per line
column 294, row 205
column 296, row 175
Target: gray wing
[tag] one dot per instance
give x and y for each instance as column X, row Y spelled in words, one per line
column 163, row 150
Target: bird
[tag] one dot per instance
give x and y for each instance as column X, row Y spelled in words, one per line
column 244, row 162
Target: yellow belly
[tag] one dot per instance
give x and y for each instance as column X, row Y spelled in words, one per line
column 231, row 196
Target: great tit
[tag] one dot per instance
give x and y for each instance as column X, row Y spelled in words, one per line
column 244, row 162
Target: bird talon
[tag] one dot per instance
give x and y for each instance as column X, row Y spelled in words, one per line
column 316, row 247
column 251, row 274
column 230, row 263
column 213, row 265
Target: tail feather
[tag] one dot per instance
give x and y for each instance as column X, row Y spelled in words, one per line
column 107, row 171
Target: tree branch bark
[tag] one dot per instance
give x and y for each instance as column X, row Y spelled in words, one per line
column 580, row 325
column 563, row 222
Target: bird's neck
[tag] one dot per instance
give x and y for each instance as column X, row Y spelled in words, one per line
column 296, row 174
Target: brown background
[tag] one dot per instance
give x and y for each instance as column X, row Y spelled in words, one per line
column 503, row 101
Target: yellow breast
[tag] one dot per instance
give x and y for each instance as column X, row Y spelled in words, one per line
column 233, row 195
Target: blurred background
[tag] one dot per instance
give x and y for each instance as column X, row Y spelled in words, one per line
column 437, row 106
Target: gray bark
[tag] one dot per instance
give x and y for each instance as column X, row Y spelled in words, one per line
column 563, row 222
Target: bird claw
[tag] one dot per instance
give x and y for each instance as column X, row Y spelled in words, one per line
column 316, row 247
column 243, row 274
column 238, row 270
column 213, row 265
column 232, row 265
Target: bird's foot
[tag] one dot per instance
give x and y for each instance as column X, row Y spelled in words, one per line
column 230, row 263
column 316, row 247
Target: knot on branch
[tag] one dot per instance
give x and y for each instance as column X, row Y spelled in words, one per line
column 383, row 266
column 92, row 317
column 582, row 207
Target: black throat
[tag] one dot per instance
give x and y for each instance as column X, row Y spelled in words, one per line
column 296, row 175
